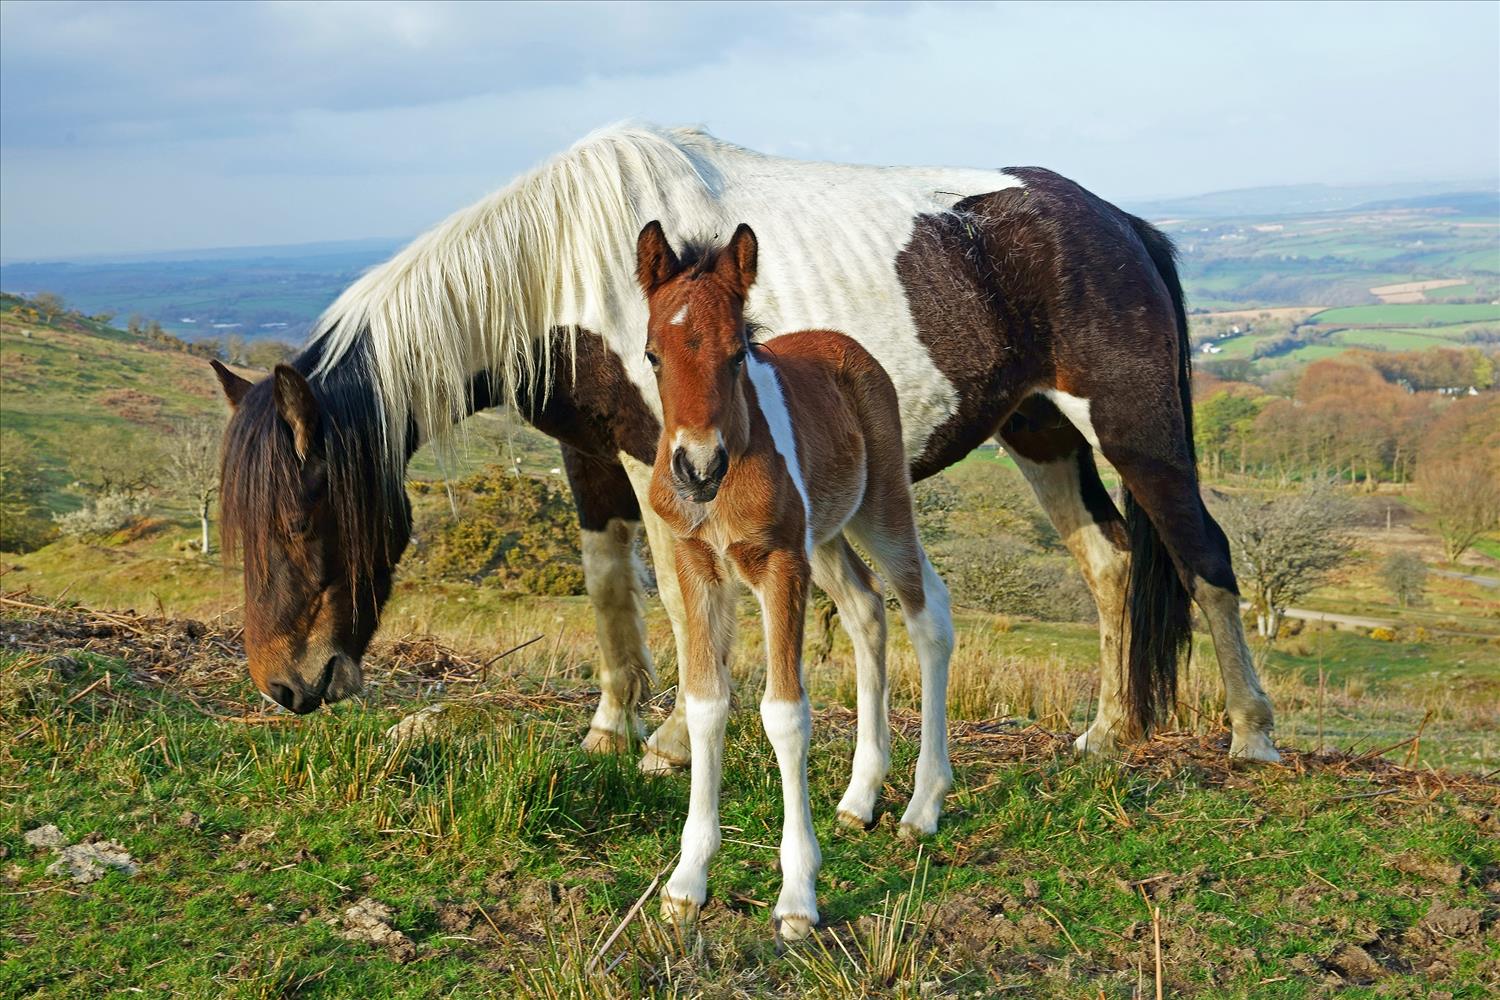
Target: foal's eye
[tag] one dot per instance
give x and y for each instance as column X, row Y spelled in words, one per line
column 653, row 361
column 737, row 360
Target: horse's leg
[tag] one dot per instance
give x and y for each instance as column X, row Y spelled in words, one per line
column 780, row 582
column 855, row 591
column 1059, row 465
column 703, row 688
column 669, row 748
column 890, row 537
column 1140, row 429
column 610, row 519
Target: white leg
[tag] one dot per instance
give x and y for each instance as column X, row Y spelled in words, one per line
column 687, row 889
column 856, row 594
column 1245, row 701
column 931, row 631
column 668, row 748
column 612, row 573
column 788, row 726
column 1100, row 549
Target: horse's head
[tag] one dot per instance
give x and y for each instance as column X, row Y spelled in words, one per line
column 319, row 529
column 696, row 341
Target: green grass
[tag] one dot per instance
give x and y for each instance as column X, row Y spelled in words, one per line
column 1030, row 886
column 1408, row 314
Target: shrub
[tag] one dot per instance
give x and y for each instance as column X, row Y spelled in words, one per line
column 103, row 515
column 1381, row 634
column 1003, row 576
column 1406, row 577
column 514, row 532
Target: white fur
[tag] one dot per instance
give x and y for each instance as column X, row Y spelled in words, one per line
column 788, row 726
column 701, row 835
column 556, row 249
column 680, row 316
column 700, row 447
column 772, row 405
column 1076, row 409
column 931, row 633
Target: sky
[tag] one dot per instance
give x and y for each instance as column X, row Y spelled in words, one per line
column 130, row 127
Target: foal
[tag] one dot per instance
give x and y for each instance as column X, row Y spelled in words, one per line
column 771, row 461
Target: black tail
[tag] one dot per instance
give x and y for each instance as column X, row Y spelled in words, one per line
column 1158, row 605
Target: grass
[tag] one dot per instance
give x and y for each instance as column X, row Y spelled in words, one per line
column 507, row 858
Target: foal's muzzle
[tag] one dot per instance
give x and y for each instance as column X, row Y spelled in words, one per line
column 699, row 485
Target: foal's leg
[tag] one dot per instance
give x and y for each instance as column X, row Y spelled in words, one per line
column 1085, row 517
column 787, row 717
column 610, row 520
column 856, row 593
column 891, row 539
column 704, row 693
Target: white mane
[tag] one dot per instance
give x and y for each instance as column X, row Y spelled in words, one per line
column 483, row 289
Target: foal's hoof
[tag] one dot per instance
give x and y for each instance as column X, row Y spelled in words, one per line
column 850, row 821
column 681, row 913
column 911, row 832
column 793, row 927
column 603, row 741
column 653, row 762
column 1254, row 746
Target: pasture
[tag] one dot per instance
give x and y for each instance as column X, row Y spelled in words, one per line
column 322, row 856
column 1408, row 314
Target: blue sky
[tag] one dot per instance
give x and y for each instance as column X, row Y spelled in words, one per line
column 134, row 127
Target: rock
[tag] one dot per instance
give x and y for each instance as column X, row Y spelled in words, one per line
column 46, row 836
column 419, row 725
column 85, row 863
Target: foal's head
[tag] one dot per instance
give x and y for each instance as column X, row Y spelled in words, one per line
column 319, row 527
column 697, row 342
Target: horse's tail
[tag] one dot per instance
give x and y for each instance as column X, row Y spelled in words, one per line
column 1157, row 604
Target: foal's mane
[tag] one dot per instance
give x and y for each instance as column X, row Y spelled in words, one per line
column 487, row 287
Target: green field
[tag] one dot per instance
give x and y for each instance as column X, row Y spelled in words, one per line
column 1409, row 314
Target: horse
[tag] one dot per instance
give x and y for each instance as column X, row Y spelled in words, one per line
column 769, row 465
column 1008, row 304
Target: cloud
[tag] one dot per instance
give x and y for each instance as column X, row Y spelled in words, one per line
column 161, row 126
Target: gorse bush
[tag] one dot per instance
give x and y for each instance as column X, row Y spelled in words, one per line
column 103, row 515
column 509, row 531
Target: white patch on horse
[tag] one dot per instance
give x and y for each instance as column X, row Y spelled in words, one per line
column 788, row 726
column 773, row 407
column 611, row 574
column 551, row 251
column 680, row 316
column 1076, row 409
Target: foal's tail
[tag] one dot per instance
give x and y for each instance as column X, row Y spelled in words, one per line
column 1158, row 605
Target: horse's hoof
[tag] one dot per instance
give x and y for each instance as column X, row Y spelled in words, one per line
column 912, row 832
column 681, row 913
column 1256, row 746
column 1092, row 744
column 850, row 821
column 603, row 741
column 794, row 927
column 657, row 763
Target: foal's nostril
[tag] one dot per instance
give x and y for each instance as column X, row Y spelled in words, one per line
column 682, row 468
column 720, row 466
column 282, row 695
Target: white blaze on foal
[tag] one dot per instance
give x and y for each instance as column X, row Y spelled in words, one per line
column 767, row 461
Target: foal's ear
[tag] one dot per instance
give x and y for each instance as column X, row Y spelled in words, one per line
column 234, row 386
column 737, row 263
column 655, row 263
column 298, row 407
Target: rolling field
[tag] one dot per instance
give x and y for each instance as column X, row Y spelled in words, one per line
column 1409, row 314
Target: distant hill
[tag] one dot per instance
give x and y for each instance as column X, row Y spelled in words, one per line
column 1297, row 199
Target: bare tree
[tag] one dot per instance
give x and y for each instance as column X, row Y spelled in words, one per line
column 192, row 469
column 1463, row 495
column 1283, row 546
column 49, row 304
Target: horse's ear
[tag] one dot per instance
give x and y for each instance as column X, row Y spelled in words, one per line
column 655, row 263
column 234, row 386
column 737, row 262
column 299, row 408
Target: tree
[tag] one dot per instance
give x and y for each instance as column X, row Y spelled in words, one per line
column 1463, row 495
column 49, row 304
column 1283, row 546
column 23, row 523
column 1406, row 576
column 192, row 469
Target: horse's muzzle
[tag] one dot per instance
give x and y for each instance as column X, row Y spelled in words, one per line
column 699, row 485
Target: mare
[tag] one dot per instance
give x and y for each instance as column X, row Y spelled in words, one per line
column 1009, row 304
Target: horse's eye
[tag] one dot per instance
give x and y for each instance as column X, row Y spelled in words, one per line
column 736, row 360
column 653, row 361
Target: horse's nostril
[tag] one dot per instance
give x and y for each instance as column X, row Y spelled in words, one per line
column 721, row 464
column 282, row 695
column 682, row 467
